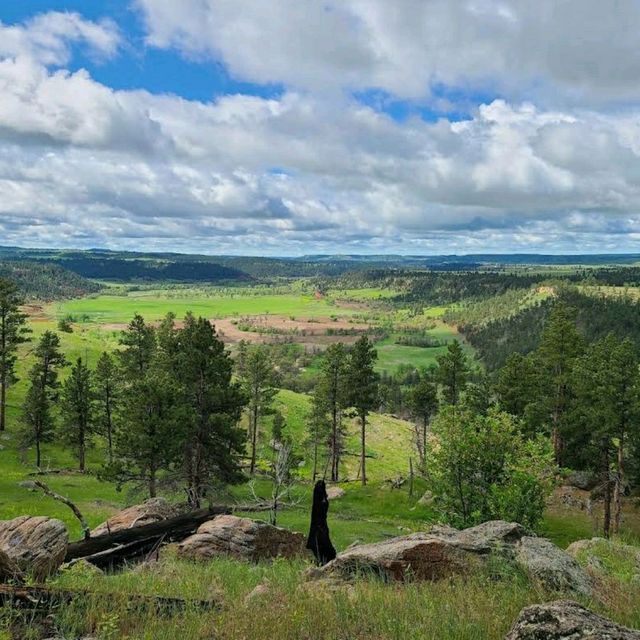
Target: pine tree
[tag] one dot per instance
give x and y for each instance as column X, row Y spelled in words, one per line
column 423, row 404
column 560, row 345
column 319, row 428
column 13, row 332
column 38, row 422
column 77, row 405
column 257, row 382
column 453, row 372
column 363, row 390
column 331, row 395
column 108, row 390
column 212, row 443
column 139, row 342
column 149, row 443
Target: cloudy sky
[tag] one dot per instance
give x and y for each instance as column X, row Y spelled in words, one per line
column 285, row 127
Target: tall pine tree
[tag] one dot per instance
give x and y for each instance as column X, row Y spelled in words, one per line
column 363, row 390
column 13, row 332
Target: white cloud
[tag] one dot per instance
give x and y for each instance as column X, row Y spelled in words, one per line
column 47, row 38
column 311, row 170
column 570, row 49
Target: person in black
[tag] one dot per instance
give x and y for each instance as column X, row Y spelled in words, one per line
column 319, row 541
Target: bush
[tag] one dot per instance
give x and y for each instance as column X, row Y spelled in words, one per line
column 481, row 468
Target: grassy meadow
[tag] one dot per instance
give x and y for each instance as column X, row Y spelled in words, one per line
column 477, row 608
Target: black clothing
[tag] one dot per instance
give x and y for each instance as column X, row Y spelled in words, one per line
column 319, row 541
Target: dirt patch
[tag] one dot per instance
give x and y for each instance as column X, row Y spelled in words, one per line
column 280, row 329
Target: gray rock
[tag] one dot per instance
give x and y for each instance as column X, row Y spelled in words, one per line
column 585, row 480
column 28, row 484
column 241, row 538
column 37, row 545
column 334, row 492
column 566, row 620
column 153, row 510
column 433, row 555
column 9, row 570
column 553, row 568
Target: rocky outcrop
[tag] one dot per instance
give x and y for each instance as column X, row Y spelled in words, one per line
column 241, row 538
column 553, row 568
column 565, row 620
column 153, row 510
column 443, row 552
column 584, row 480
column 437, row 554
column 608, row 556
column 37, row 545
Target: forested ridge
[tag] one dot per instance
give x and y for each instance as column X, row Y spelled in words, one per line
column 597, row 315
column 46, row 282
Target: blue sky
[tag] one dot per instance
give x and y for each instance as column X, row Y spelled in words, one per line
column 318, row 126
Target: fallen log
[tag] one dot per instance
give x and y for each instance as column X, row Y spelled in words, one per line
column 45, row 599
column 128, row 544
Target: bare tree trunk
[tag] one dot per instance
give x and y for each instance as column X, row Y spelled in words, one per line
column 315, row 459
column 606, row 524
column 411, row 476
column 617, row 491
column 254, row 439
column 363, row 424
column 38, row 457
column 3, row 402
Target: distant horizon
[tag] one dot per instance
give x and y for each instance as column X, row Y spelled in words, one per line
column 290, row 128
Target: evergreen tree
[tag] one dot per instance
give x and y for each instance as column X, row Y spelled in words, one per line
column 108, row 389
column 139, row 342
column 77, row 405
column 149, row 443
column 213, row 443
column 453, row 372
column 319, row 429
column 363, row 389
column 38, row 422
column 331, row 396
column 13, row 332
column 515, row 384
column 423, row 404
column 277, row 427
column 258, row 385
column 560, row 345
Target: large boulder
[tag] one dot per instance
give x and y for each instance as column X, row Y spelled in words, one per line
column 608, row 556
column 437, row 554
column 565, row 620
column 553, row 568
column 37, row 545
column 150, row 511
column 241, row 538
column 9, row 570
column 584, row 480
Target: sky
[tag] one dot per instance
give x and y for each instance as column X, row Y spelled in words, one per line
column 291, row 127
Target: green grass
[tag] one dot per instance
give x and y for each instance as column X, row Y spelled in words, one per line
column 154, row 305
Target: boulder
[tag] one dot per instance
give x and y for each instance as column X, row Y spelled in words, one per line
column 153, row 510
column 9, row 570
column 437, row 554
column 37, row 545
column 584, row 480
column 553, row 568
column 427, row 499
column 241, row 538
column 335, row 492
column 597, row 554
column 565, row 620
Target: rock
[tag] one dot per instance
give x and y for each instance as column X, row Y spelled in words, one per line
column 596, row 555
column 153, row 510
column 30, row 485
column 565, row 620
column 37, row 545
column 81, row 568
column 437, row 554
column 584, row 480
column 9, row 570
column 334, row 492
column 258, row 592
column 241, row 538
column 427, row 499
column 553, row 568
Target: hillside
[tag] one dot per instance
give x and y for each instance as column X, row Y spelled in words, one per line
column 46, row 282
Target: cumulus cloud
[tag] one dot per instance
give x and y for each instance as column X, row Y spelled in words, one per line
column 584, row 49
column 313, row 169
